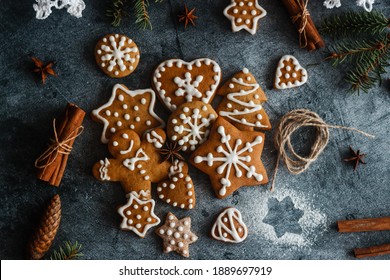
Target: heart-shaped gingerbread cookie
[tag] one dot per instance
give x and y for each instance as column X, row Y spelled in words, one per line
column 177, row 82
column 289, row 73
column 178, row 190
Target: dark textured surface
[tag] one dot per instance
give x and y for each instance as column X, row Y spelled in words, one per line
column 329, row 191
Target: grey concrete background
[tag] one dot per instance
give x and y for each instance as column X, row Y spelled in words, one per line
column 330, row 186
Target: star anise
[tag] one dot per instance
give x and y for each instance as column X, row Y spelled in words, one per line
column 356, row 157
column 43, row 69
column 187, row 16
column 171, row 151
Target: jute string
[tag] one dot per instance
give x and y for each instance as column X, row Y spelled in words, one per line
column 57, row 147
column 288, row 125
column 303, row 15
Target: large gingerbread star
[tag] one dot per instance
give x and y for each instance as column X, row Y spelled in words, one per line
column 176, row 235
column 128, row 109
column 244, row 14
column 138, row 215
column 231, row 158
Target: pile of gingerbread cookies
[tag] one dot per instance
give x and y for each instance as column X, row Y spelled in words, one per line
column 223, row 142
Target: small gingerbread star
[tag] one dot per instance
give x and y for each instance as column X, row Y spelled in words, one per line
column 138, row 215
column 176, row 235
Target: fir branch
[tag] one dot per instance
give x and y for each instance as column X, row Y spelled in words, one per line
column 355, row 23
column 141, row 14
column 69, row 251
column 116, row 11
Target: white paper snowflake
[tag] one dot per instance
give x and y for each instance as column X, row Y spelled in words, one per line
column 232, row 157
column 43, row 7
column 366, row 4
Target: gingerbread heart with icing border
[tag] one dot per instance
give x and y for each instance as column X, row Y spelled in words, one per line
column 178, row 190
column 177, row 81
column 289, row 73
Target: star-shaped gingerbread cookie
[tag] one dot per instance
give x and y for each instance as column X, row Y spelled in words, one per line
column 176, row 235
column 231, row 158
column 128, row 109
column 244, row 14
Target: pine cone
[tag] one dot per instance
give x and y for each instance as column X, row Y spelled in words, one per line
column 44, row 236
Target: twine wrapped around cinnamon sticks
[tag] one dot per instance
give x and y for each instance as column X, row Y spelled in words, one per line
column 51, row 164
column 309, row 37
column 289, row 123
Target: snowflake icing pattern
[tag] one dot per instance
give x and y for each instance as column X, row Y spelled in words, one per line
column 196, row 132
column 187, row 85
column 232, row 158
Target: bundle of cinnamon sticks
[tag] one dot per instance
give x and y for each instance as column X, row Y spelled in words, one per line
column 51, row 164
column 309, row 37
column 372, row 224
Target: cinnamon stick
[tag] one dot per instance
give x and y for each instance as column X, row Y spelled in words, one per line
column 359, row 225
column 311, row 37
column 372, row 251
column 52, row 167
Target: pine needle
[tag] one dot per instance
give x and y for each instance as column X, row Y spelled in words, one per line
column 68, row 251
column 142, row 18
column 116, row 11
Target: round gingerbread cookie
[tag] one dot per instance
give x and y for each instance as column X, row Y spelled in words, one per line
column 117, row 55
column 189, row 125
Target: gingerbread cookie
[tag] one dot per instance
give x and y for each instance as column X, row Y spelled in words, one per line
column 229, row 227
column 231, row 158
column 138, row 214
column 189, row 125
column 289, row 73
column 135, row 163
column 117, row 55
column 244, row 14
column 242, row 103
column 179, row 190
column 176, row 235
column 177, row 82
column 128, row 109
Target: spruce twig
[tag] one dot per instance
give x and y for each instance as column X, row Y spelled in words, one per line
column 116, row 11
column 68, row 251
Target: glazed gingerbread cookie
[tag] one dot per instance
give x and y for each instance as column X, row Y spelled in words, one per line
column 242, row 102
column 189, row 125
column 244, row 14
column 117, row 55
column 289, row 73
column 128, row 109
column 231, row 158
column 178, row 190
column 229, row 226
column 177, row 82
column 135, row 163
column 177, row 235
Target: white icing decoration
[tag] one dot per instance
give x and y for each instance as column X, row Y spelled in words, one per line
column 194, row 128
column 232, row 157
column 43, row 7
column 188, row 87
column 250, row 107
column 154, row 138
column 117, row 54
column 220, row 226
column 252, row 21
column 187, row 82
column 125, row 225
column 139, row 156
column 129, row 149
column 131, row 93
column 104, row 170
column 297, row 67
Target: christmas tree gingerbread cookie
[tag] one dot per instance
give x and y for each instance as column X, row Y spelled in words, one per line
column 242, row 103
column 289, row 73
column 128, row 109
column 231, row 158
column 244, row 14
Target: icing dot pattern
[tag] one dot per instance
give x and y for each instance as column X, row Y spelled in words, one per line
column 289, row 73
column 178, row 237
column 117, row 55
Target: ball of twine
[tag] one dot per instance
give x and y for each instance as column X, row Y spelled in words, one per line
column 288, row 125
